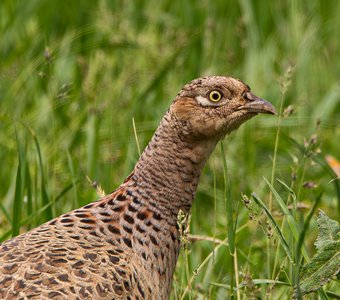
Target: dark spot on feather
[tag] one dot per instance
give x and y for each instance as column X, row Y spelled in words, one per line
column 82, row 215
column 20, row 284
column 68, row 225
column 120, row 197
column 114, row 259
column 153, row 240
column 118, row 208
column 113, row 229
column 140, row 290
column 127, row 229
column 105, row 214
column 10, row 269
column 111, row 241
column 117, row 288
column 42, row 229
column 121, row 272
column 140, row 229
column 49, row 282
column 155, row 228
column 88, row 221
column 102, row 204
column 83, row 293
column 107, row 220
column 157, row 216
column 93, row 233
column 101, row 290
column 63, row 277
column 173, row 236
column 131, row 208
column 129, row 219
column 86, row 246
column 136, row 201
column 90, row 256
column 127, row 286
column 86, row 227
column 54, row 294
column 6, row 282
column 56, row 262
column 141, row 215
column 80, row 273
column 30, row 275
column 78, row 265
column 88, row 205
column 54, row 255
column 66, row 220
column 127, row 242
column 41, row 242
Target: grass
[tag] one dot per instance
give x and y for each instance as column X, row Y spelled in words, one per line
column 83, row 85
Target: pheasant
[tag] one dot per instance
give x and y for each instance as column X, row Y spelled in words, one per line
column 126, row 244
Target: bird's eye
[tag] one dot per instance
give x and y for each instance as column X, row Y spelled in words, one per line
column 215, row 96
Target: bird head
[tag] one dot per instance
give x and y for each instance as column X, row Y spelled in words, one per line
column 211, row 107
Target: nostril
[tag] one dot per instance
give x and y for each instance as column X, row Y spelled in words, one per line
column 249, row 96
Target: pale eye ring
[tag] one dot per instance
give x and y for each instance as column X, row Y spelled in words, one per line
column 215, row 96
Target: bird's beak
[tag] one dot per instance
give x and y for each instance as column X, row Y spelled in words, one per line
column 257, row 105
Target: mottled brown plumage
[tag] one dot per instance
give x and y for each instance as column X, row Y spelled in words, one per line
column 125, row 245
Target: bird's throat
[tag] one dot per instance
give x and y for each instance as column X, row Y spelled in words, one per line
column 169, row 169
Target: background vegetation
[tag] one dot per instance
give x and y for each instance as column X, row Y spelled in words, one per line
column 75, row 74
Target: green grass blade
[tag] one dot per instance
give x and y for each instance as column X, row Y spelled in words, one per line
column 19, row 186
column 275, row 226
column 229, row 204
column 294, row 228
column 136, row 136
column 230, row 222
column 299, row 246
column 74, row 185
column 292, row 193
column 28, row 184
column 48, row 213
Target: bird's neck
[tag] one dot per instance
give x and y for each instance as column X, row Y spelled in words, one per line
column 169, row 169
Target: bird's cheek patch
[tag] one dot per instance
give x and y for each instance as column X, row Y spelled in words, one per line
column 184, row 107
column 203, row 101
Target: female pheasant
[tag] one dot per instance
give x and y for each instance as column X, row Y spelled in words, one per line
column 125, row 245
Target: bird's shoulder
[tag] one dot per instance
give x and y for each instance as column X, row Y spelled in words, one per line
column 84, row 253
